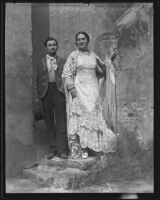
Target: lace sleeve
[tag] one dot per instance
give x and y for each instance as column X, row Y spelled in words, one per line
column 69, row 71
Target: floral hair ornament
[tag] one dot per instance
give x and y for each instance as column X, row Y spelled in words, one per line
column 90, row 36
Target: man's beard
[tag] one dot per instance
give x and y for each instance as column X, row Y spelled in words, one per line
column 53, row 53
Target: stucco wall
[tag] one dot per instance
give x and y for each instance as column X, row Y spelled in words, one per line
column 135, row 77
column 18, row 85
column 135, row 88
column 68, row 19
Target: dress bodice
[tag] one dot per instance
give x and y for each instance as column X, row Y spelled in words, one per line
column 86, row 64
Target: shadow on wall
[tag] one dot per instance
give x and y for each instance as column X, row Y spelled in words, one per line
column 18, row 79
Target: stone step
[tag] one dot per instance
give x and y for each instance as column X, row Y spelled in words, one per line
column 82, row 164
column 67, row 174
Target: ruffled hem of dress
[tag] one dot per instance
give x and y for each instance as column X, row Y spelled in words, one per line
column 106, row 142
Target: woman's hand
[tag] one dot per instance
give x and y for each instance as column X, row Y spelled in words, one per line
column 114, row 55
column 100, row 62
column 73, row 92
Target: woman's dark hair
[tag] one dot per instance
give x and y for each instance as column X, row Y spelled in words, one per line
column 50, row 39
column 84, row 33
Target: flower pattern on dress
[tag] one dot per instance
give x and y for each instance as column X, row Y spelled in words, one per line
column 91, row 128
column 86, row 124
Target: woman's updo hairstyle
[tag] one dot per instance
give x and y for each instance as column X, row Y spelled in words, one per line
column 83, row 33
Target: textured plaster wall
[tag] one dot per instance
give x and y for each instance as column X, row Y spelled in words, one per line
column 67, row 19
column 18, row 86
column 135, row 77
column 135, row 89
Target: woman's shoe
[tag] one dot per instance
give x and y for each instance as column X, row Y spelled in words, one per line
column 84, row 154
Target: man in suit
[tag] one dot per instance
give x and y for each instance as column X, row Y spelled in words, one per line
column 48, row 88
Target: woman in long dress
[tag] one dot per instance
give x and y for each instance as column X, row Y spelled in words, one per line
column 86, row 125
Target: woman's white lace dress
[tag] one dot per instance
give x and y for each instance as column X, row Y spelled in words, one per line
column 85, row 113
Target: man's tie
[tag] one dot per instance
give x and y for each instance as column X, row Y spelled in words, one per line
column 53, row 63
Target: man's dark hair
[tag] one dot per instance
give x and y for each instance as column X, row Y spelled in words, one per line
column 83, row 33
column 50, row 39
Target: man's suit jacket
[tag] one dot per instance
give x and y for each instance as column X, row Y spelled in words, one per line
column 41, row 79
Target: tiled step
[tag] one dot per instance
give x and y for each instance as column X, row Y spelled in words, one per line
column 67, row 174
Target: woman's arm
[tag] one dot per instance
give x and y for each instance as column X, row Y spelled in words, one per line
column 114, row 55
column 68, row 74
column 101, row 67
column 101, row 64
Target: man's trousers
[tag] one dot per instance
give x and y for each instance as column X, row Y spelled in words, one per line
column 55, row 117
